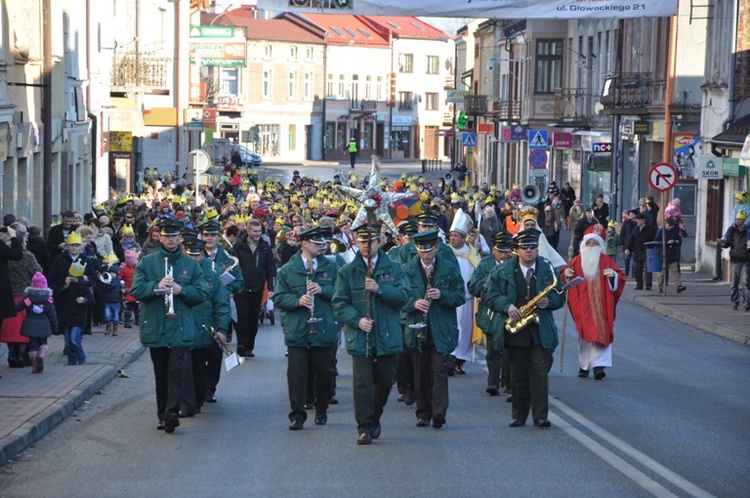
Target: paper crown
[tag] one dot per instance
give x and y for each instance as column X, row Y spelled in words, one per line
column 741, row 196
column 529, row 214
column 111, row 258
column 74, row 238
column 76, row 270
column 211, row 213
column 241, row 218
column 127, row 230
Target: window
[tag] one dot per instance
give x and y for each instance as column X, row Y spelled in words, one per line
column 368, row 87
column 341, row 135
column 330, row 138
column 229, row 81
column 292, row 137
column 548, row 66
column 267, row 86
column 393, row 25
column 351, row 32
column 406, row 63
column 292, row 85
column 368, row 136
column 431, row 101
column 309, row 53
column 379, row 88
column 365, row 32
column 292, row 52
column 433, row 64
column 342, row 87
column 355, row 88
column 268, row 51
column 329, row 86
column 337, row 31
column 405, row 100
column 308, row 86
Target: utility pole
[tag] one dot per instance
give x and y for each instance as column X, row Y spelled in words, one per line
column 47, row 116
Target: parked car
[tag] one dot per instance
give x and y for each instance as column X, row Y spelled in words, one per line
column 248, row 157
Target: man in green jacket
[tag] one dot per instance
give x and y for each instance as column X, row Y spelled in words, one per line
column 304, row 288
column 437, row 289
column 213, row 312
column 508, row 288
column 500, row 251
column 230, row 273
column 165, row 276
column 369, row 293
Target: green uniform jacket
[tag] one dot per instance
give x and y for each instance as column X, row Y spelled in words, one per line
column 158, row 331
column 476, row 286
column 291, row 284
column 500, row 292
column 442, row 315
column 215, row 311
column 349, row 305
column 221, row 263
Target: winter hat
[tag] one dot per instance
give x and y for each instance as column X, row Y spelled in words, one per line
column 595, row 232
column 38, row 281
column 131, row 257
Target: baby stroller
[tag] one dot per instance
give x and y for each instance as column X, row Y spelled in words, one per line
column 266, row 309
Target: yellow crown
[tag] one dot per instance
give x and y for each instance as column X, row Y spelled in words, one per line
column 74, row 238
column 241, row 219
column 211, row 213
column 111, row 258
column 529, row 214
column 76, row 270
column 127, row 230
column 280, row 221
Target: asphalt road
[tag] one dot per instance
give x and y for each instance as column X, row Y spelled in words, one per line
column 669, row 420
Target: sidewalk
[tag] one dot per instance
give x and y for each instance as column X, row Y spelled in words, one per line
column 33, row 404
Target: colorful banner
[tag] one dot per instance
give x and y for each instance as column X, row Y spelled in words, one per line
column 685, row 154
column 224, row 46
column 531, row 9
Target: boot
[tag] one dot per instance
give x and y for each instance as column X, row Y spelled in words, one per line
column 114, row 329
column 128, row 319
column 107, row 329
column 12, row 359
column 33, row 362
column 40, row 359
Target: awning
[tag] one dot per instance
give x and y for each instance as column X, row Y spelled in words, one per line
column 735, row 134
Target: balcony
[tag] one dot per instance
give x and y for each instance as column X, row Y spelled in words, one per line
column 363, row 105
column 572, row 104
column 449, row 83
column 139, row 70
column 506, row 110
column 629, row 91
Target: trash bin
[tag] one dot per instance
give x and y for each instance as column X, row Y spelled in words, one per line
column 653, row 256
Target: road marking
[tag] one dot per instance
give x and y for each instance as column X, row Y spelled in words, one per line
column 618, row 463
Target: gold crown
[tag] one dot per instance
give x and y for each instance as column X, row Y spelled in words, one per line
column 74, row 238
column 529, row 214
column 111, row 258
column 76, row 270
column 211, row 213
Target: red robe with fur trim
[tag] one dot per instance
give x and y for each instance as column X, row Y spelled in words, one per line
column 593, row 303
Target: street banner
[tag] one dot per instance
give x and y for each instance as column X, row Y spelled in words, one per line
column 508, row 9
column 685, row 145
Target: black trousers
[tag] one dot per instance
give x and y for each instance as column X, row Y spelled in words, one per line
column 494, row 359
column 640, row 268
column 529, row 383
column 168, row 368
column 248, row 309
column 372, row 380
column 194, row 374
column 214, row 363
column 299, row 363
column 430, row 382
column 352, row 158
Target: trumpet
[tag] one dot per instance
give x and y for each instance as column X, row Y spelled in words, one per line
column 313, row 319
column 221, row 342
column 422, row 326
column 169, row 295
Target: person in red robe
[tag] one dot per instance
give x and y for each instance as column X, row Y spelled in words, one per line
column 593, row 303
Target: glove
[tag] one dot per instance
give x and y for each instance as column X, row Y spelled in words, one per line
column 609, row 272
column 569, row 272
column 11, row 232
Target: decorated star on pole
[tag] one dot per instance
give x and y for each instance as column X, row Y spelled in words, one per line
column 383, row 199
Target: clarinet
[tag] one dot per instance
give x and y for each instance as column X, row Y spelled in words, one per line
column 313, row 319
column 422, row 326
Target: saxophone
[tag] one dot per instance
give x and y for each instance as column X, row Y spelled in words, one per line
column 528, row 310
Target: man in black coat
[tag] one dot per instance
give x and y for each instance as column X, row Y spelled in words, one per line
column 625, row 232
column 581, row 228
column 258, row 270
column 637, row 247
column 38, row 247
column 58, row 233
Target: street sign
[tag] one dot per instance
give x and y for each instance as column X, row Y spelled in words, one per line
column 518, row 133
column 456, row 96
column 710, row 167
column 538, row 139
column 469, row 139
column 662, row 176
column 537, row 159
column 601, row 147
column 562, row 140
column 485, row 128
column 538, row 173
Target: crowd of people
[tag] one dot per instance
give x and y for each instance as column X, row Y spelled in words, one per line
column 465, row 266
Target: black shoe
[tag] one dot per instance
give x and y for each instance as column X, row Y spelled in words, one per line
column 409, row 399
column 321, row 418
column 364, row 438
column 250, row 355
column 308, row 406
column 333, row 401
column 438, row 422
column 376, row 432
column 171, row 423
column 648, row 287
column 509, row 398
column 296, row 424
column 240, row 350
column 459, row 369
column 583, row 373
column 185, row 414
column 401, row 398
column 599, row 373
column 542, row 424
column 492, row 391
column 211, row 398
column 517, row 423
column 639, row 288
column 160, row 426
column 681, row 288
column 735, row 306
column 423, row 422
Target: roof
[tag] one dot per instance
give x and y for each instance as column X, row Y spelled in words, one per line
column 347, row 30
column 738, row 129
column 266, row 29
column 408, row 27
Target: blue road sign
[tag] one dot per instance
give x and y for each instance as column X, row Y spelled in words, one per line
column 537, row 159
column 469, row 139
column 538, row 139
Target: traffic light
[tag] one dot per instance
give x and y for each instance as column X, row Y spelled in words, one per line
column 461, row 120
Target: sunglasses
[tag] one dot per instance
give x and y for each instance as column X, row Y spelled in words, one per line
column 528, row 247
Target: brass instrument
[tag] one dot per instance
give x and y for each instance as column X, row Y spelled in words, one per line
column 169, row 295
column 421, row 326
column 308, row 280
column 227, row 246
column 221, row 342
column 528, row 310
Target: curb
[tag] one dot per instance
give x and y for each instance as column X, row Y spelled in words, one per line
column 39, row 425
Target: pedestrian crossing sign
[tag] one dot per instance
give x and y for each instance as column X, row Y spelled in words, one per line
column 538, row 139
column 469, row 139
